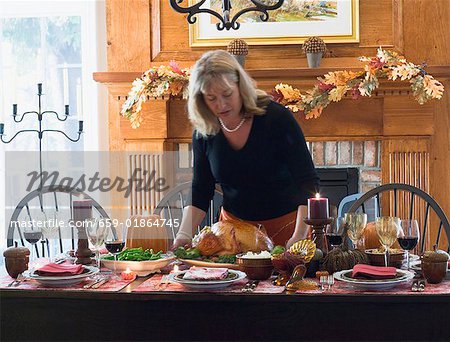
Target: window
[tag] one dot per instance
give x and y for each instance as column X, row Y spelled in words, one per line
column 59, row 44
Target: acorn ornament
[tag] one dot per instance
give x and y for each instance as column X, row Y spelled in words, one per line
column 239, row 49
column 315, row 48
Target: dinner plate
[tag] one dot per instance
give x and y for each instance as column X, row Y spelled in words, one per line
column 233, row 277
column 58, row 281
column 141, row 268
column 200, row 263
column 402, row 276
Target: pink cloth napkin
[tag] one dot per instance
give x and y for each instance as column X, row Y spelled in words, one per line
column 59, row 270
column 205, row 273
column 373, row 272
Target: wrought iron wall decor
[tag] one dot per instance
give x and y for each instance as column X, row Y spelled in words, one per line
column 40, row 131
column 224, row 18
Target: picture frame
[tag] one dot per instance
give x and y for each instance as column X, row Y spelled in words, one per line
column 341, row 19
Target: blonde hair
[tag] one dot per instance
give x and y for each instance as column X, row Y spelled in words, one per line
column 220, row 67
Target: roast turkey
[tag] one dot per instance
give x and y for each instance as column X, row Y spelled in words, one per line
column 232, row 237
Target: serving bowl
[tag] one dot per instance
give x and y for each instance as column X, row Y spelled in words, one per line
column 141, row 268
column 376, row 257
column 255, row 268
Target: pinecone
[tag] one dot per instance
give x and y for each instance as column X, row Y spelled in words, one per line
column 314, row 44
column 238, row 47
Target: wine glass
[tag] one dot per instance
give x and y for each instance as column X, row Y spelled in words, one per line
column 32, row 234
column 356, row 222
column 387, row 230
column 334, row 231
column 96, row 231
column 115, row 247
column 408, row 236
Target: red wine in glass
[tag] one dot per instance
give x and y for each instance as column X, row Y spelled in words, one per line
column 114, row 247
column 334, row 239
column 408, row 242
column 32, row 237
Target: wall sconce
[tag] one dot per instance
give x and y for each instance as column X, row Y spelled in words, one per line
column 224, row 19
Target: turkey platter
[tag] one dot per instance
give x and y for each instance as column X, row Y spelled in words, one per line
column 231, row 237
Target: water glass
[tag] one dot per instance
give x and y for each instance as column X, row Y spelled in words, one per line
column 97, row 231
column 387, row 229
column 356, row 222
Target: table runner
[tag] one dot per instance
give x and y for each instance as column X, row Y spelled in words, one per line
column 154, row 285
column 113, row 285
column 340, row 287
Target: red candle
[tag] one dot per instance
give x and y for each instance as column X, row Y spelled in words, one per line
column 318, row 207
column 82, row 209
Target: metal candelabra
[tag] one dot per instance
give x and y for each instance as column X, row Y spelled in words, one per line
column 40, row 131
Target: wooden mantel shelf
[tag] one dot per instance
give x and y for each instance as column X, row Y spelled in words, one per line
column 438, row 71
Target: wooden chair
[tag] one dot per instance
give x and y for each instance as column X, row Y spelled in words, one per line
column 409, row 202
column 58, row 201
column 172, row 205
column 345, row 204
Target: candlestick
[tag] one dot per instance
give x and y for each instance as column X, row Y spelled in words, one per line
column 39, row 88
column 15, row 109
column 66, row 85
column 80, row 126
column 318, row 207
column 82, row 210
column 79, row 101
column 66, row 110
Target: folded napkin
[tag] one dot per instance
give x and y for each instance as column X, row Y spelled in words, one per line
column 373, row 272
column 59, row 270
column 205, row 273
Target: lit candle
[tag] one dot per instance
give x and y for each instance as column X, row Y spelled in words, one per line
column 79, row 101
column 318, row 207
column 128, row 274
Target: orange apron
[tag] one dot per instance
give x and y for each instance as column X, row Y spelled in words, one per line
column 279, row 229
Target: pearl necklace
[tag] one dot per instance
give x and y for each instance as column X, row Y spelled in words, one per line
column 229, row 130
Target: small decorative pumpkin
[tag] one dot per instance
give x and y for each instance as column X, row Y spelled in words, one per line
column 148, row 232
column 371, row 240
column 340, row 259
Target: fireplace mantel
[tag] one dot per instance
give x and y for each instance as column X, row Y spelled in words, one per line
column 390, row 112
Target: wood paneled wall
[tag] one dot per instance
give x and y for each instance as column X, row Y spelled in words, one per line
column 142, row 33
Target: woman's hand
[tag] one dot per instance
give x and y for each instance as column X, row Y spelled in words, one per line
column 181, row 242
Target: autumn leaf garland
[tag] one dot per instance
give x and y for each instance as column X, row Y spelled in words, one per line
column 333, row 86
column 172, row 81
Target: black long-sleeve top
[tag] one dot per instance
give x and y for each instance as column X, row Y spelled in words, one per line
column 269, row 177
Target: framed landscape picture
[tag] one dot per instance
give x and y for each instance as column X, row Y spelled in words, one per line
column 335, row 21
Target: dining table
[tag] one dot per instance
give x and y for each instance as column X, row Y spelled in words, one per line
column 150, row 308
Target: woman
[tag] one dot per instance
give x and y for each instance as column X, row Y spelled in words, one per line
column 252, row 147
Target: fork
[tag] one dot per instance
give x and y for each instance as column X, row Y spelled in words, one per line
column 322, row 282
column 330, row 281
column 16, row 282
column 164, row 282
column 250, row 286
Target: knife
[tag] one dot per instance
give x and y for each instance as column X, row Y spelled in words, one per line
column 99, row 283
column 88, row 286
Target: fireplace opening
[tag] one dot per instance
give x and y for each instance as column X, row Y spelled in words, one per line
column 337, row 183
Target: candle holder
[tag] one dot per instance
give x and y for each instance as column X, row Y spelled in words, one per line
column 40, row 132
column 318, row 231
